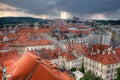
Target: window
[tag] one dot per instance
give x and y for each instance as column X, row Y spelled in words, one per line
column 97, row 68
column 111, row 75
column 108, row 71
column 101, row 70
column 102, row 65
column 107, row 77
column 90, row 60
column 112, row 70
column 113, row 65
column 108, row 66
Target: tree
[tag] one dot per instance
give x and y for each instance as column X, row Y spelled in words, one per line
column 73, row 69
column 90, row 76
column 82, row 69
column 99, row 78
column 82, row 78
column 118, row 74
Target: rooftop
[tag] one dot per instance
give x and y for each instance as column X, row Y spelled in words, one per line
column 103, row 54
column 31, row 67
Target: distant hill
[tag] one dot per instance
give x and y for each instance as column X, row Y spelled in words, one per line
column 25, row 20
column 105, row 22
column 18, row 20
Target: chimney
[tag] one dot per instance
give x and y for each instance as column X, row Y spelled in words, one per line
column 59, row 52
column 92, row 49
column 45, row 51
column 98, row 51
column 52, row 51
column 93, row 53
column 114, row 52
column 59, row 49
column 108, row 52
column 103, row 52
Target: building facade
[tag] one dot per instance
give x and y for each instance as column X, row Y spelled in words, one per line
column 103, row 62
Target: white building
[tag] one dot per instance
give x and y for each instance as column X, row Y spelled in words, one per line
column 117, row 38
column 78, row 40
column 99, row 37
column 78, row 75
column 36, row 45
column 73, row 58
column 116, row 35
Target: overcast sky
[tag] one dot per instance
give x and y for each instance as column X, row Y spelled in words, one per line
column 88, row 9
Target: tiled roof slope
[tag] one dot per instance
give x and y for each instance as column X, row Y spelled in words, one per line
column 104, row 54
column 32, row 67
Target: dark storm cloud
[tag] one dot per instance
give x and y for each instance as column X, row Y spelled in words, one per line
column 88, row 6
column 74, row 7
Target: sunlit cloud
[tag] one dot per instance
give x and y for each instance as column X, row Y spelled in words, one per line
column 97, row 16
column 64, row 15
column 10, row 11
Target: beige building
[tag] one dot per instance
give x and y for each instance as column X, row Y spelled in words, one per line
column 103, row 61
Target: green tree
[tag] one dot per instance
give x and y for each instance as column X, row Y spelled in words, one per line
column 99, row 78
column 82, row 78
column 118, row 74
column 82, row 69
column 73, row 69
column 90, row 76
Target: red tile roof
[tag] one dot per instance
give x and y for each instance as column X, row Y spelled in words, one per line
column 54, row 54
column 24, row 67
column 24, row 42
column 48, row 74
column 40, row 30
column 117, row 52
column 34, row 68
column 9, row 55
column 1, row 37
column 8, row 58
column 108, row 57
column 104, row 59
column 69, row 56
column 101, row 47
column 80, row 31
column 75, row 47
column 1, row 74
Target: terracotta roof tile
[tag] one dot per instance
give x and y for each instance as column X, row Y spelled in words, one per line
column 34, row 68
column 108, row 57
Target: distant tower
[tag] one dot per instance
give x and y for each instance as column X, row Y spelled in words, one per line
column 36, row 25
